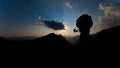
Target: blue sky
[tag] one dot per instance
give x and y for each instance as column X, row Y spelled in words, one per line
column 20, row 17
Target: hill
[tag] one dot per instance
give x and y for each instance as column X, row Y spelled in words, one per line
column 49, row 41
column 106, row 39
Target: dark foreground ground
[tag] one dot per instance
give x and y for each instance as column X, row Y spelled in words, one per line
column 106, row 39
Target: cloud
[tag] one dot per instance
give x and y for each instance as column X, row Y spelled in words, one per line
column 52, row 24
column 111, row 15
column 68, row 4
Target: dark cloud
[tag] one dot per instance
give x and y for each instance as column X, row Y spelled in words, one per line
column 111, row 15
column 52, row 24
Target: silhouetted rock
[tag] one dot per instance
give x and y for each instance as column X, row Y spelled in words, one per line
column 84, row 23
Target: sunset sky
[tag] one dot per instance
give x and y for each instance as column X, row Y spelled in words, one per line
column 20, row 18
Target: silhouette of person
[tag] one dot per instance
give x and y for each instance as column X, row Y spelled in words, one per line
column 84, row 23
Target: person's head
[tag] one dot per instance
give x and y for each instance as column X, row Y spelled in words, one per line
column 84, row 22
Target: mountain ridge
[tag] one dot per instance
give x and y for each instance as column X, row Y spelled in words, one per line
column 105, row 39
column 49, row 41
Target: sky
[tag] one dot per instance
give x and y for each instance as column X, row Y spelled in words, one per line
column 21, row 18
